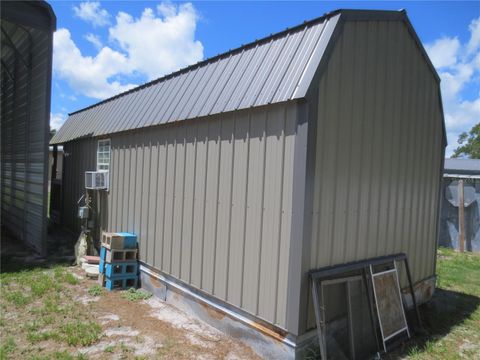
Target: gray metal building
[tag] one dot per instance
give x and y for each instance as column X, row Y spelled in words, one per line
column 26, row 71
column 316, row 146
column 467, row 170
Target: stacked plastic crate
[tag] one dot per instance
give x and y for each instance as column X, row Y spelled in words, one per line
column 118, row 268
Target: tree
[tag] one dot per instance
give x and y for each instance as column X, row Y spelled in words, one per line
column 469, row 144
column 52, row 132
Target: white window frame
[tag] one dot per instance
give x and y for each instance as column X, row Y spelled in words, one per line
column 102, row 164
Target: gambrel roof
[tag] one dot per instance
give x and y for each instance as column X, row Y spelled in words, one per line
column 275, row 69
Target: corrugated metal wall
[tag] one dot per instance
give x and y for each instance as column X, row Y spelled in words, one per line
column 79, row 156
column 210, row 200
column 378, row 151
column 25, row 104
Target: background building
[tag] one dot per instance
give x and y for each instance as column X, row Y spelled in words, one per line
column 26, row 72
column 467, row 170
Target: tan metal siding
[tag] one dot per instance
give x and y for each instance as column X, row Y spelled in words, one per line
column 378, row 150
column 209, row 199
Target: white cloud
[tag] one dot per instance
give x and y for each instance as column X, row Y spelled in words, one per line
column 153, row 45
column 94, row 40
column 159, row 44
column 459, row 68
column 443, row 52
column 474, row 42
column 57, row 120
column 92, row 12
column 90, row 76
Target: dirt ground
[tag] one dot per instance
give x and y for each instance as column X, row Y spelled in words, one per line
column 152, row 328
column 51, row 310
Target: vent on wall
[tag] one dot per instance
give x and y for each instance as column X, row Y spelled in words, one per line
column 96, row 180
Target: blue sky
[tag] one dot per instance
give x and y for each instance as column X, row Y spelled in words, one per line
column 102, row 48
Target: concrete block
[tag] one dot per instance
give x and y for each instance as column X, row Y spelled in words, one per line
column 119, row 241
column 121, row 269
column 115, row 255
column 121, row 283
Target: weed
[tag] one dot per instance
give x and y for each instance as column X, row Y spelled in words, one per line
column 7, row 347
column 109, row 349
column 136, row 294
column 70, row 279
column 17, row 298
column 95, row 290
column 63, row 275
column 36, row 336
column 80, row 333
column 64, row 355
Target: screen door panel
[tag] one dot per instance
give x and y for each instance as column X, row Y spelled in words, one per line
column 390, row 309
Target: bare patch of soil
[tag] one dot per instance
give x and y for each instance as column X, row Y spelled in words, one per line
column 154, row 329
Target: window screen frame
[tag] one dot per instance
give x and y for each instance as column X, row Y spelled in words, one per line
column 103, row 165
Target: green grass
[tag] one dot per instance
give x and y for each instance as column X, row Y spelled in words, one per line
column 95, row 290
column 81, row 333
column 41, row 306
column 136, row 294
column 452, row 318
column 109, row 349
column 7, row 347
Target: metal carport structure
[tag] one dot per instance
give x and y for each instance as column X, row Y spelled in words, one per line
column 26, row 69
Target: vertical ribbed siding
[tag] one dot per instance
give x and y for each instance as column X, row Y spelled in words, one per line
column 378, row 151
column 24, row 133
column 210, row 200
column 80, row 156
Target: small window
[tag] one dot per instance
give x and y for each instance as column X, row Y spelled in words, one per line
column 103, row 155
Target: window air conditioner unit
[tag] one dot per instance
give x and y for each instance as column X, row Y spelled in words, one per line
column 96, row 180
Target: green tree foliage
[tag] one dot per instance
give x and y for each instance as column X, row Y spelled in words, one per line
column 469, row 144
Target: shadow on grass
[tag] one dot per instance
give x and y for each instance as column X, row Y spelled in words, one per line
column 440, row 315
column 446, row 310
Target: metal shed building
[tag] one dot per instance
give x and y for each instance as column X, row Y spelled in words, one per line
column 26, row 72
column 465, row 174
column 316, row 146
